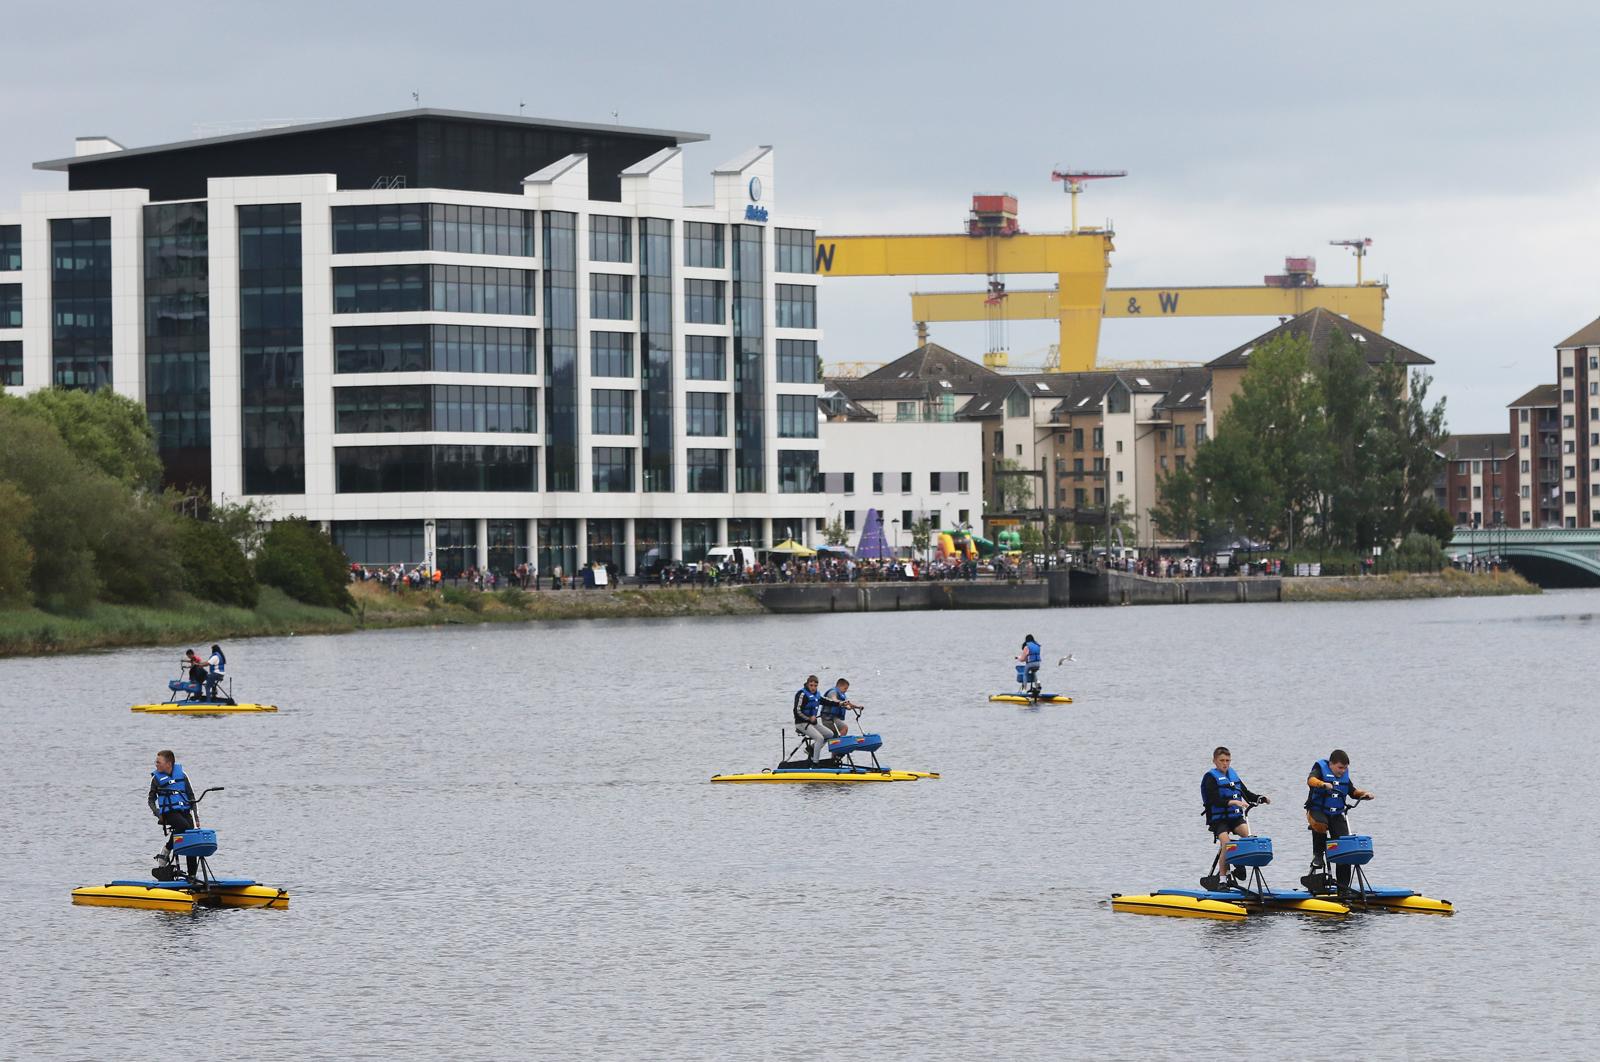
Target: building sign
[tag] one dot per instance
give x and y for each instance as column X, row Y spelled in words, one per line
column 755, row 189
column 755, row 213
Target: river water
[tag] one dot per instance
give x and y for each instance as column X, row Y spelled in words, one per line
column 501, row 841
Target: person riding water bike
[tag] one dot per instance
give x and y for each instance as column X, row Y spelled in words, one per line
column 835, row 704
column 215, row 666
column 1028, row 660
column 1227, row 800
column 197, row 673
column 808, row 719
column 172, row 803
column 1330, row 791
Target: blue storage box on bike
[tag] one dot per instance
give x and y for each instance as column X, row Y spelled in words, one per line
column 196, row 842
column 1250, row 851
column 1354, row 850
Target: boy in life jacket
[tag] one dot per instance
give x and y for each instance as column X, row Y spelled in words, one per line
column 1227, row 799
column 1028, row 666
column 835, row 703
column 808, row 718
column 197, row 673
column 1330, row 790
column 172, row 803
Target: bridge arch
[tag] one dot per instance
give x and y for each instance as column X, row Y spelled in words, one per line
column 1552, row 557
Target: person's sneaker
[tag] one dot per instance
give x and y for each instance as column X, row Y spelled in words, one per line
column 1210, row 883
column 1238, row 873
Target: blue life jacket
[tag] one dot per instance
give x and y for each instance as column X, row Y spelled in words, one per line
column 1228, row 788
column 833, row 704
column 172, row 790
column 222, row 662
column 1034, row 650
column 806, row 704
column 1329, row 801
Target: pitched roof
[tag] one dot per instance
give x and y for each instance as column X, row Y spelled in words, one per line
column 1183, row 388
column 1493, row 446
column 1543, row 395
column 930, row 369
column 1319, row 327
column 836, row 405
column 1587, row 336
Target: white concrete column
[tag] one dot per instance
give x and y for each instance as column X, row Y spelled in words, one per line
column 722, row 531
column 582, row 533
column 766, row 533
column 677, row 539
column 532, row 535
column 628, row 563
column 483, row 544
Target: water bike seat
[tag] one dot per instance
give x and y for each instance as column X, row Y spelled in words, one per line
column 1250, row 851
column 855, row 743
column 1354, row 850
column 195, row 842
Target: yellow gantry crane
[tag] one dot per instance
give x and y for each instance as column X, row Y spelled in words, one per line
column 994, row 246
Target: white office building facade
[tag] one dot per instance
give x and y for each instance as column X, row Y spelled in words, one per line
column 444, row 364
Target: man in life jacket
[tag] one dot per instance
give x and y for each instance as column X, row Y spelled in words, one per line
column 808, row 719
column 1330, row 791
column 1227, row 799
column 1028, row 661
column 835, row 704
column 215, row 666
column 172, row 803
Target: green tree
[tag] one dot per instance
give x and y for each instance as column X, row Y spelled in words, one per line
column 1437, row 523
column 1408, row 434
column 1176, row 513
column 921, row 535
column 16, row 555
column 214, row 567
column 835, row 534
column 1014, row 485
column 1032, row 539
column 301, row 560
column 108, row 431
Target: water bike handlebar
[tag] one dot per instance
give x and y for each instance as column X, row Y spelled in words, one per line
column 213, row 789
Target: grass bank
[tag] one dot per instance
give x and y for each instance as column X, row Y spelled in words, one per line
column 379, row 608
column 1403, row 587
column 31, row 631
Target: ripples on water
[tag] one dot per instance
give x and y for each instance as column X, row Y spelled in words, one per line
column 501, row 841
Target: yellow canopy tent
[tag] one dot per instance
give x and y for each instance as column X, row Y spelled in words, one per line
column 792, row 548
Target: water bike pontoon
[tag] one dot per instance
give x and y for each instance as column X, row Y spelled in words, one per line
column 1355, row 851
column 1231, row 900
column 190, row 698
column 1029, row 700
column 840, row 768
column 170, row 890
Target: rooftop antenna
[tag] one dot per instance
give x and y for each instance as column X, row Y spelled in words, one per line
column 1358, row 247
column 616, row 118
column 521, row 106
column 416, row 99
column 1072, row 184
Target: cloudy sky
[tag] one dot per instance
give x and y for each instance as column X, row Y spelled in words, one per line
column 1460, row 137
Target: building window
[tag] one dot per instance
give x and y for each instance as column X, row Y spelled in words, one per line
column 796, row 250
column 11, row 364
column 703, row 245
column 1524, row 467
column 705, row 357
column 1522, row 416
column 796, row 306
column 561, row 352
column 1566, row 371
column 380, row 227
column 1016, row 404
column 905, row 483
column 1119, row 475
column 962, row 517
column 1077, row 438
column 797, row 361
column 706, row 413
column 797, row 472
column 271, row 352
column 10, row 248
column 611, row 296
column 437, row 407
column 612, row 412
column 797, row 416
column 610, row 239
column 1178, row 432
column 1179, row 461
column 1477, row 491
column 935, row 482
column 877, row 483
column 704, row 302
column 611, row 354
column 749, row 359
column 963, row 484
column 1524, row 442
column 1199, row 434
column 480, row 230
column 80, row 302
column 380, row 289
column 613, row 470
column 905, row 411
column 1099, row 439
column 849, row 519
column 10, row 305
column 656, row 361
column 708, row 471
column 439, row 348
column 381, row 542
column 410, row 469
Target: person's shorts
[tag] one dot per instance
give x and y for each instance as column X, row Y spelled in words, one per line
column 1322, row 820
column 1218, row 828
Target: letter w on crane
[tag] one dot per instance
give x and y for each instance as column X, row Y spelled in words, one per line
column 1169, row 301
column 824, row 261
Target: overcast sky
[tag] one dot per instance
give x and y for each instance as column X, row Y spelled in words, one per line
column 1460, row 137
